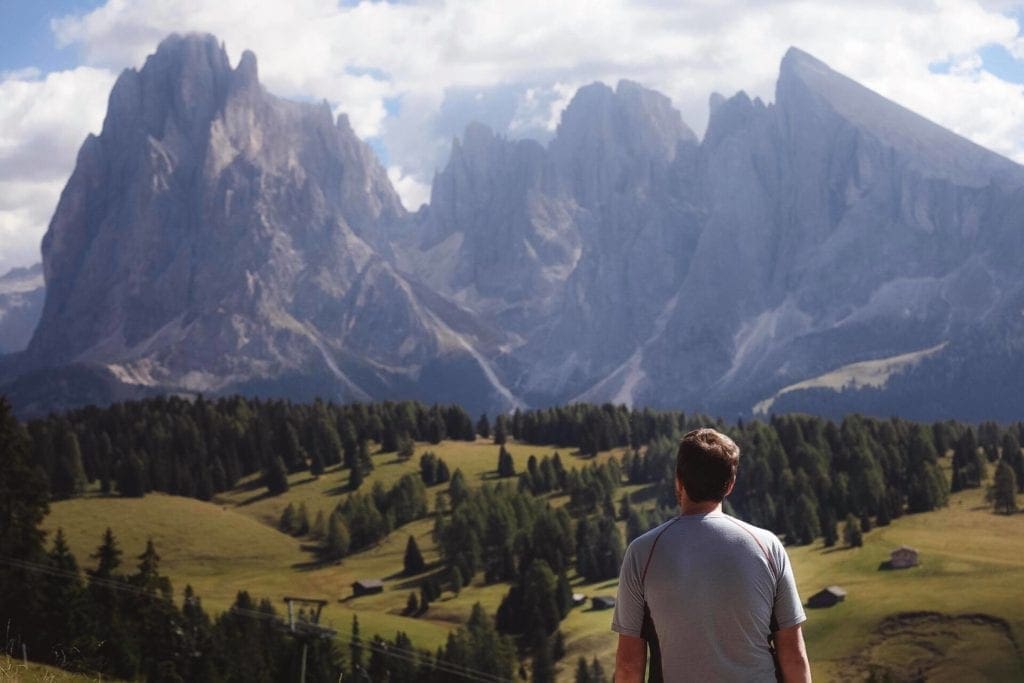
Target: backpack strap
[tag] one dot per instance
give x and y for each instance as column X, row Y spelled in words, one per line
column 647, row 630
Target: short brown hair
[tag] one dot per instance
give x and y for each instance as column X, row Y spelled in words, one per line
column 706, row 464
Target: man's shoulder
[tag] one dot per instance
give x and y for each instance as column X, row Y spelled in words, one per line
column 647, row 539
column 765, row 536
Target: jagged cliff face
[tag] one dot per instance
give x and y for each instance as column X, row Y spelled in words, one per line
column 216, row 238
column 841, row 229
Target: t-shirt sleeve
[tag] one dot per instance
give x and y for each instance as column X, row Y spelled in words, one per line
column 788, row 610
column 629, row 605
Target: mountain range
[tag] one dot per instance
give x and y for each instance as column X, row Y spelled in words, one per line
column 827, row 252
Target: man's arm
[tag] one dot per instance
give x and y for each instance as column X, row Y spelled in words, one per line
column 790, row 654
column 631, row 660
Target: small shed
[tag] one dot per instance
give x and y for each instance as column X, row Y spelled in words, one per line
column 827, row 597
column 578, row 599
column 367, row 587
column 903, row 557
column 602, row 602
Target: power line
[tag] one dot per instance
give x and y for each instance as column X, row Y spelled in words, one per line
column 387, row 649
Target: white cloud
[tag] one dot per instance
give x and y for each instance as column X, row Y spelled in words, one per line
column 526, row 58
column 42, row 125
column 414, row 193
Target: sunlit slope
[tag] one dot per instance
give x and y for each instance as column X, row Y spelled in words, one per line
column 233, row 544
column 478, row 461
column 972, row 563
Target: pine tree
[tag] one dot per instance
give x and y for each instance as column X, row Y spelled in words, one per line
column 108, row 557
column 69, row 478
column 131, row 480
column 355, row 478
column 1004, row 489
column 364, row 459
column 336, row 545
column 1014, row 457
column 356, row 649
column 457, row 580
column 275, row 476
column 443, row 474
column 506, row 466
column 287, row 521
column 458, row 491
column 406, row 447
column 543, row 664
column 806, row 524
column 852, row 533
column 63, row 611
column 301, row 520
column 316, row 464
column 413, row 562
column 412, row 605
column 501, row 430
column 483, row 427
column 148, row 575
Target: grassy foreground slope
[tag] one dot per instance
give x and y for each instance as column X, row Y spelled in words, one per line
column 971, row 572
column 972, row 563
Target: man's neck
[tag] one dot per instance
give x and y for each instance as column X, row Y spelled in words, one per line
column 701, row 508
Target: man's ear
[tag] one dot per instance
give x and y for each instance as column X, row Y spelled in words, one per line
column 731, row 484
column 679, row 490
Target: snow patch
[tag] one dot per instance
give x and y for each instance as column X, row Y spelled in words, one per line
column 869, row 373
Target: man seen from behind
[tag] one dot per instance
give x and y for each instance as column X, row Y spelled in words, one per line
column 713, row 597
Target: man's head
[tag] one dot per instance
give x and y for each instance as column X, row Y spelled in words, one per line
column 706, row 465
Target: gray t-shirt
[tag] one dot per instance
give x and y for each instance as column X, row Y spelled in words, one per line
column 716, row 589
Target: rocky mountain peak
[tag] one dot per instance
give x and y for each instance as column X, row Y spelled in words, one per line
column 635, row 119
column 728, row 116
column 610, row 140
column 808, row 89
column 216, row 238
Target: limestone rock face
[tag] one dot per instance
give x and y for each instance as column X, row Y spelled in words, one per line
column 841, row 228
column 828, row 252
column 214, row 236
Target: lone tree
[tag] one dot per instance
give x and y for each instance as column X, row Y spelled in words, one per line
column 1004, row 489
column 413, row 562
column 506, row 466
column 852, row 533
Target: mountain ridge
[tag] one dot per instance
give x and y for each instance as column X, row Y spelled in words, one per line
column 264, row 249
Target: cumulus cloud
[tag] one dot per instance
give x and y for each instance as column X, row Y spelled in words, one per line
column 42, row 124
column 411, row 75
column 413, row 192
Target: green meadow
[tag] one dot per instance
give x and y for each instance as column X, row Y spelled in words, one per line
column 962, row 609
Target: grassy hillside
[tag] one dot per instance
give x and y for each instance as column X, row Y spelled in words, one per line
column 972, row 562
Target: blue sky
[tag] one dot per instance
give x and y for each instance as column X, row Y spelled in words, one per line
column 411, row 75
column 26, row 40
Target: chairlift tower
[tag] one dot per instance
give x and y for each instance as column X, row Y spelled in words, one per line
column 309, row 629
